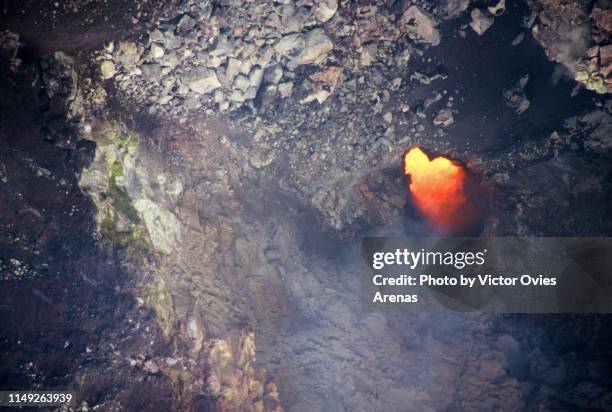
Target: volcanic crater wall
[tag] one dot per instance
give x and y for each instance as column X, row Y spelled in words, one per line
column 234, row 154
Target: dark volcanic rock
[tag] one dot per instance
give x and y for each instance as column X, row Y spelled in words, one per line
column 182, row 204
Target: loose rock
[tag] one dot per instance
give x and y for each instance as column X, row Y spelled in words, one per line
column 422, row 25
column 444, row 118
column 481, row 22
column 450, row 9
column 516, row 98
column 326, row 9
column 203, row 81
column 316, row 47
column 107, row 69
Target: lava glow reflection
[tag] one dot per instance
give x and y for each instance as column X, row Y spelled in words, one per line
column 437, row 186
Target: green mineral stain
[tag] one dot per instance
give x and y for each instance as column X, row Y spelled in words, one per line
column 591, row 81
column 124, row 233
column 160, row 300
column 121, row 136
column 121, row 200
column 117, row 169
column 132, row 243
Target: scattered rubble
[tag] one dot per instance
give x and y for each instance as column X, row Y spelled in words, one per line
column 204, row 67
column 578, row 38
column 450, row 9
column 444, row 118
column 515, row 96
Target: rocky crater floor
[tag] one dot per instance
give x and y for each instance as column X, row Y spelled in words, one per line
column 184, row 186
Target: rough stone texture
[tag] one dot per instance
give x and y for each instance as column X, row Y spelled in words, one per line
column 422, row 25
column 481, row 22
column 450, row 9
column 574, row 36
column 9, row 48
column 202, row 81
column 515, row 96
column 107, row 69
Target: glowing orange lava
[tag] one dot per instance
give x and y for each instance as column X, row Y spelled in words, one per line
column 436, row 186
